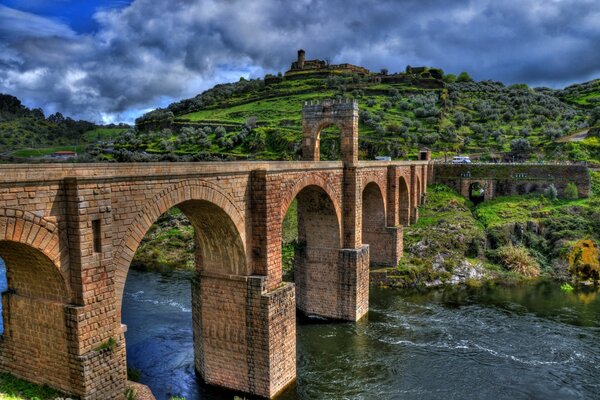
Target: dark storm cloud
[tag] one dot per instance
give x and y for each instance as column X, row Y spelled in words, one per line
column 155, row 51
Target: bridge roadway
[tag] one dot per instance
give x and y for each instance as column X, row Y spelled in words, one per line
column 68, row 233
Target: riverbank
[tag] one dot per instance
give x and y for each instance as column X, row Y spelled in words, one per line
column 506, row 239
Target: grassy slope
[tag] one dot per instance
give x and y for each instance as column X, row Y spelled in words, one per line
column 449, row 225
column 465, row 117
column 446, row 232
column 548, row 228
column 12, row 388
column 89, row 137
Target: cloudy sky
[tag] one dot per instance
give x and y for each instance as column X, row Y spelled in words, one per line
column 111, row 60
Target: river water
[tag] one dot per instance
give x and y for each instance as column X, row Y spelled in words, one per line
column 530, row 341
column 3, row 287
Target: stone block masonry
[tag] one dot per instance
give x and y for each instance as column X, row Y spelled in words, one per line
column 68, row 234
column 512, row 179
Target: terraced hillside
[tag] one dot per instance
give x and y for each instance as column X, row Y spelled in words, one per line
column 260, row 119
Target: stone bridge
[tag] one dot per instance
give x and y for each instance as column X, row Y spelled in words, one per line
column 505, row 179
column 68, row 233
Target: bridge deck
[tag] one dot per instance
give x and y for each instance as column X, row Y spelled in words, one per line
column 13, row 173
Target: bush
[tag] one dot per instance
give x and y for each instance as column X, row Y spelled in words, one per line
column 551, row 192
column 571, row 191
column 518, row 259
column 584, row 260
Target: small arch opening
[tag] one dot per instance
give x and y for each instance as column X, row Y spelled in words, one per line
column 476, row 193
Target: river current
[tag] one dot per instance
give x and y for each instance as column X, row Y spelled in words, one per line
column 529, row 341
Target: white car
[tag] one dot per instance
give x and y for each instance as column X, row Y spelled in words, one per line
column 461, row 160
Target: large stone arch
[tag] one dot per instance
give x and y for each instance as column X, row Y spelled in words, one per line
column 35, row 343
column 374, row 232
column 316, row 269
column 319, row 115
column 313, row 179
column 36, row 232
column 219, row 229
column 404, row 203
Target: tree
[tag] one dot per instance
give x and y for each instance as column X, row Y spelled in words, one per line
column 449, row 78
column 551, row 192
column 464, row 77
column 520, row 149
column 595, row 117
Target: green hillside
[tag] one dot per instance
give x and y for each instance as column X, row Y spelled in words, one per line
column 260, row 119
column 27, row 133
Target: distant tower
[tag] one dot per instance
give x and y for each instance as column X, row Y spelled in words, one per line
column 300, row 59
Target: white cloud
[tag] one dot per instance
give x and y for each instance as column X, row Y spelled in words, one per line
column 153, row 52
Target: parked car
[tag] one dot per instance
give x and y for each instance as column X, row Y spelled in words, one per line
column 461, row 160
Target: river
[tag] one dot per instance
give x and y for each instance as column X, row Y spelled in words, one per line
column 528, row 341
column 3, row 287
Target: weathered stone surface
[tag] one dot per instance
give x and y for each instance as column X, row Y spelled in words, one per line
column 512, row 179
column 68, row 234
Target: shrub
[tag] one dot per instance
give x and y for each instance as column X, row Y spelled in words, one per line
column 571, row 191
column 584, row 260
column 551, row 192
column 518, row 259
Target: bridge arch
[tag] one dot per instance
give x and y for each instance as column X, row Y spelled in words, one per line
column 477, row 192
column 316, row 116
column 34, row 344
column 404, row 203
column 316, row 254
column 374, row 231
column 311, row 180
column 218, row 224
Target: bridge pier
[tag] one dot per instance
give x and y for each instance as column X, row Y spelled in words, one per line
column 244, row 336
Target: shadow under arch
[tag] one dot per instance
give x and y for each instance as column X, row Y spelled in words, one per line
column 316, row 274
column 476, row 193
column 374, row 232
column 403, row 202
column 35, row 344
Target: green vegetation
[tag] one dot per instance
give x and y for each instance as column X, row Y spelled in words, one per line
column 289, row 239
column 12, row 388
column 46, row 151
column 110, row 344
column 566, row 287
column 168, row 245
column 438, row 245
column 26, row 133
column 517, row 259
column 254, row 120
column 513, row 236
